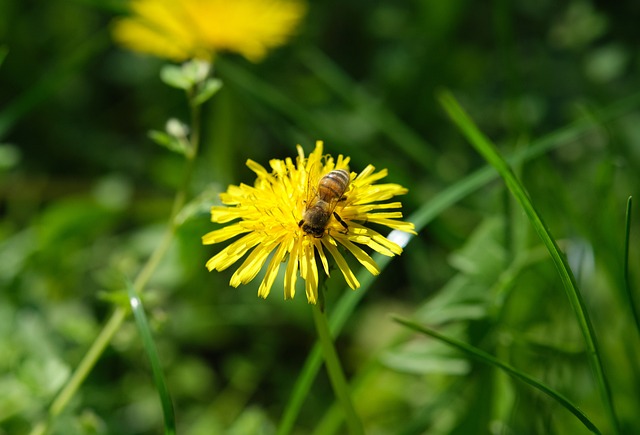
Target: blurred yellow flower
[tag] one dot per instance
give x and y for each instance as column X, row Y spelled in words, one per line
column 184, row 29
column 271, row 214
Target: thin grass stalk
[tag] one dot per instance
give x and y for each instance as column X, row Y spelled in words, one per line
column 488, row 150
column 336, row 374
column 154, row 360
column 627, row 284
column 482, row 356
column 97, row 348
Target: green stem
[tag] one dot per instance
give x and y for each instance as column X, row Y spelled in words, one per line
column 79, row 375
column 89, row 360
column 119, row 315
column 627, row 283
column 108, row 331
column 336, row 375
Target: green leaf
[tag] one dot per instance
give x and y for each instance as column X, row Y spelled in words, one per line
column 196, row 70
column 251, row 420
column 168, row 141
column 152, row 353
column 43, row 376
column 424, row 360
column 200, row 205
column 209, row 88
column 187, row 75
column 71, row 222
column 119, row 298
column 484, row 357
column 173, row 75
column 483, row 255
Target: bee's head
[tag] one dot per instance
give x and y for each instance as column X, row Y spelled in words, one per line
column 312, row 230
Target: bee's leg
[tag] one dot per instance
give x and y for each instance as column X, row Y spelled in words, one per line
column 301, row 222
column 343, row 223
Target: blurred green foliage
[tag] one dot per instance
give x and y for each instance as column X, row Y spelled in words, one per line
column 85, row 194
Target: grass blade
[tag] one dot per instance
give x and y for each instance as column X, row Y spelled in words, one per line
column 154, row 360
column 488, row 150
column 627, row 284
column 482, row 356
column 336, row 374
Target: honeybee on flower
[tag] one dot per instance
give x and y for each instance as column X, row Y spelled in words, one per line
column 276, row 215
column 319, row 212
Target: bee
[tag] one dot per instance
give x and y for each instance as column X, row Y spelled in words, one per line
column 318, row 212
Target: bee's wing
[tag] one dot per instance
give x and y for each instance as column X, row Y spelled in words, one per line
column 332, row 205
column 313, row 180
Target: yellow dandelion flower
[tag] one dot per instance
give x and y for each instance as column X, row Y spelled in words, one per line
column 184, row 29
column 270, row 217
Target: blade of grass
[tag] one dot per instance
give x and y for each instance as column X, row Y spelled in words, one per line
column 152, row 353
column 421, row 218
column 482, row 356
column 488, row 150
column 336, row 374
column 118, row 316
column 627, row 284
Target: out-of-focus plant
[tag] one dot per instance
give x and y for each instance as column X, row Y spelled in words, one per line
column 197, row 30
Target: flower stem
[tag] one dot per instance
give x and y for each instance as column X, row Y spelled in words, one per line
column 89, row 360
column 336, row 375
column 119, row 315
column 108, row 331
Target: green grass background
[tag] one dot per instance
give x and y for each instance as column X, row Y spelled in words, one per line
column 84, row 198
